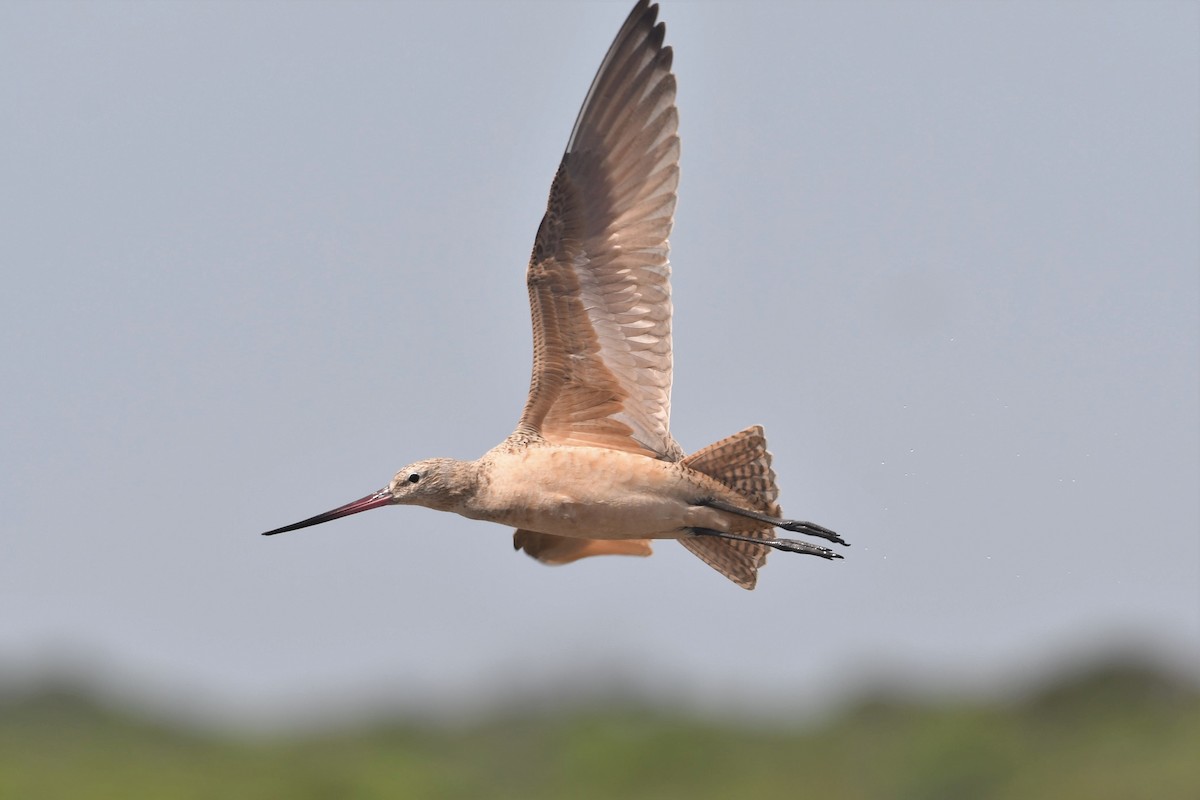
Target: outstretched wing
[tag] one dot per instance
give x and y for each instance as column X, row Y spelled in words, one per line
column 599, row 287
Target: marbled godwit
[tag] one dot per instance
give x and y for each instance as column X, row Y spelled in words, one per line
column 592, row 468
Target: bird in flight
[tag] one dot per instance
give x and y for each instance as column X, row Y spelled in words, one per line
column 592, row 468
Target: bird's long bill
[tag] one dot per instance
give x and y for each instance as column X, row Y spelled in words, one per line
column 377, row 500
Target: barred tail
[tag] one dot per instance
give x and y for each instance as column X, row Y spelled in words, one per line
column 742, row 463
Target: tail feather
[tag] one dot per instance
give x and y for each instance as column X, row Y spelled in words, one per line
column 738, row 561
column 742, row 463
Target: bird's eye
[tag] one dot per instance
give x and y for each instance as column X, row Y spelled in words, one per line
column 414, row 478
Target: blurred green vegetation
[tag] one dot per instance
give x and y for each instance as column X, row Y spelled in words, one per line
column 1115, row 731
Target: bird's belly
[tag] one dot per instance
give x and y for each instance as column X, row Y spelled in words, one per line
column 585, row 492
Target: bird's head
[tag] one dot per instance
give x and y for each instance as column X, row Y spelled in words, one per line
column 435, row 483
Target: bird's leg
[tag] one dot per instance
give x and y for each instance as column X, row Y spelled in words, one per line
column 786, row 545
column 795, row 526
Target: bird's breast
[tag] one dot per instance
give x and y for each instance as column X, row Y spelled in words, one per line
column 584, row 492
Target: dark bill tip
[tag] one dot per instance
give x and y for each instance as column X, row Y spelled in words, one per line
column 377, row 500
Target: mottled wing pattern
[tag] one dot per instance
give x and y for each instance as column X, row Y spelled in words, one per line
column 598, row 277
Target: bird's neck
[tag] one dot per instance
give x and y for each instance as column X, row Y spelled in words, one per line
column 460, row 482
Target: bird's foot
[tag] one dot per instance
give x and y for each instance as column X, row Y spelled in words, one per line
column 797, row 546
column 812, row 529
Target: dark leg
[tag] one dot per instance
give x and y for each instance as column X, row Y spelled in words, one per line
column 791, row 525
column 786, row 545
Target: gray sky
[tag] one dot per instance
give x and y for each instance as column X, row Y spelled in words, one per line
column 258, row 256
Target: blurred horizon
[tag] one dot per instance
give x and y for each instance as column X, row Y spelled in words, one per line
column 1103, row 730
column 113, row 685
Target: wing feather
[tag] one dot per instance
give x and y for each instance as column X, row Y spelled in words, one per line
column 599, row 274
column 551, row 549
